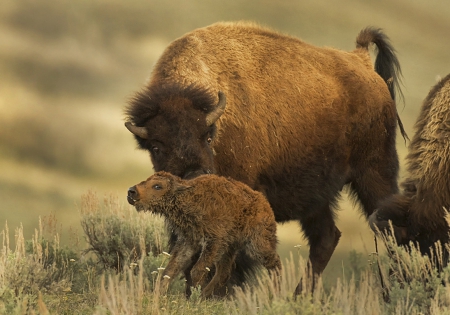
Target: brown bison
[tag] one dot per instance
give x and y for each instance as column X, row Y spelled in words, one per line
column 418, row 214
column 213, row 216
column 294, row 121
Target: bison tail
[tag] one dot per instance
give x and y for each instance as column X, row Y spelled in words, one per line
column 386, row 62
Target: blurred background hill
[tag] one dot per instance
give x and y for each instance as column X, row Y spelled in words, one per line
column 67, row 69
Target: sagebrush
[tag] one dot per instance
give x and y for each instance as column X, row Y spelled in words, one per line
column 118, row 273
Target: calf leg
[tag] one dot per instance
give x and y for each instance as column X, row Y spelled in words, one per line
column 211, row 253
column 264, row 245
column 187, row 275
column 180, row 259
column 271, row 261
column 323, row 237
column 223, row 273
column 263, row 248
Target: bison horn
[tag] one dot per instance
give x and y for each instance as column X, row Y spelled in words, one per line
column 212, row 117
column 141, row 132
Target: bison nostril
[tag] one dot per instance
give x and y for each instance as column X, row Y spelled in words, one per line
column 132, row 196
column 132, row 191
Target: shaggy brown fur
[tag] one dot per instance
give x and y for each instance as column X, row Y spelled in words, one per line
column 300, row 121
column 418, row 214
column 213, row 216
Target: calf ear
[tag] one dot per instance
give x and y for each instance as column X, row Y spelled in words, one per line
column 180, row 187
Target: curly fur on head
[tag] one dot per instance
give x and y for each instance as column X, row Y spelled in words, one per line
column 159, row 194
column 146, row 103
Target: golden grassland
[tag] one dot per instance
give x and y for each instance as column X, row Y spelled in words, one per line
column 119, row 273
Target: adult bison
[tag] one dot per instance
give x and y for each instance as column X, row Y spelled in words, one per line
column 294, row 121
column 418, row 214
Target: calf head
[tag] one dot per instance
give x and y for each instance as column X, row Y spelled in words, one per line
column 156, row 192
column 392, row 218
column 177, row 127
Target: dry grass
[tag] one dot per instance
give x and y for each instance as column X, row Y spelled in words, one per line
column 41, row 277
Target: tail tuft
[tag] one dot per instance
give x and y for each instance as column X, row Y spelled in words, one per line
column 386, row 62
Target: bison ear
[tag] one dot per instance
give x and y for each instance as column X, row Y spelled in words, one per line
column 141, row 132
column 180, row 187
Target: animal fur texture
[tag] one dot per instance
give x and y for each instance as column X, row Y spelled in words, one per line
column 213, row 216
column 419, row 213
column 294, row 121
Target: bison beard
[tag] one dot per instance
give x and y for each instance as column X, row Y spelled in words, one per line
column 299, row 122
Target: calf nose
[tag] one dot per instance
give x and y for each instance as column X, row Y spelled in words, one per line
column 133, row 195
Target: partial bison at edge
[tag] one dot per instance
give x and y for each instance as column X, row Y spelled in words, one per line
column 294, row 121
column 418, row 214
column 211, row 216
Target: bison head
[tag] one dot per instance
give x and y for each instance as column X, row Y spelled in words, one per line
column 177, row 127
column 154, row 194
column 408, row 219
column 392, row 217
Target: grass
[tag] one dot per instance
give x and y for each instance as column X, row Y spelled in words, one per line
column 118, row 271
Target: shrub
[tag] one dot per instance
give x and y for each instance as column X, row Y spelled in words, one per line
column 120, row 237
column 415, row 281
column 124, row 240
column 35, row 266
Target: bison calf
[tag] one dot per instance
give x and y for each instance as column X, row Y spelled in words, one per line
column 212, row 217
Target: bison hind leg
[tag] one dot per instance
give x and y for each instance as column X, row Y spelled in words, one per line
column 323, row 237
column 371, row 183
column 263, row 248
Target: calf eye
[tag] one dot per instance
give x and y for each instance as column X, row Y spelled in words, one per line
column 157, row 187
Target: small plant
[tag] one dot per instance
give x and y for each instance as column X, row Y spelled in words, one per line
column 32, row 267
column 114, row 234
column 125, row 240
column 418, row 277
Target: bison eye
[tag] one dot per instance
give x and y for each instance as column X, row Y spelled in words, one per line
column 157, row 187
column 209, row 140
column 154, row 149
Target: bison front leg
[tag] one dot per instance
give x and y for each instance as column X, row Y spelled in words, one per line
column 180, row 259
column 323, row 237
column 211, row 253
